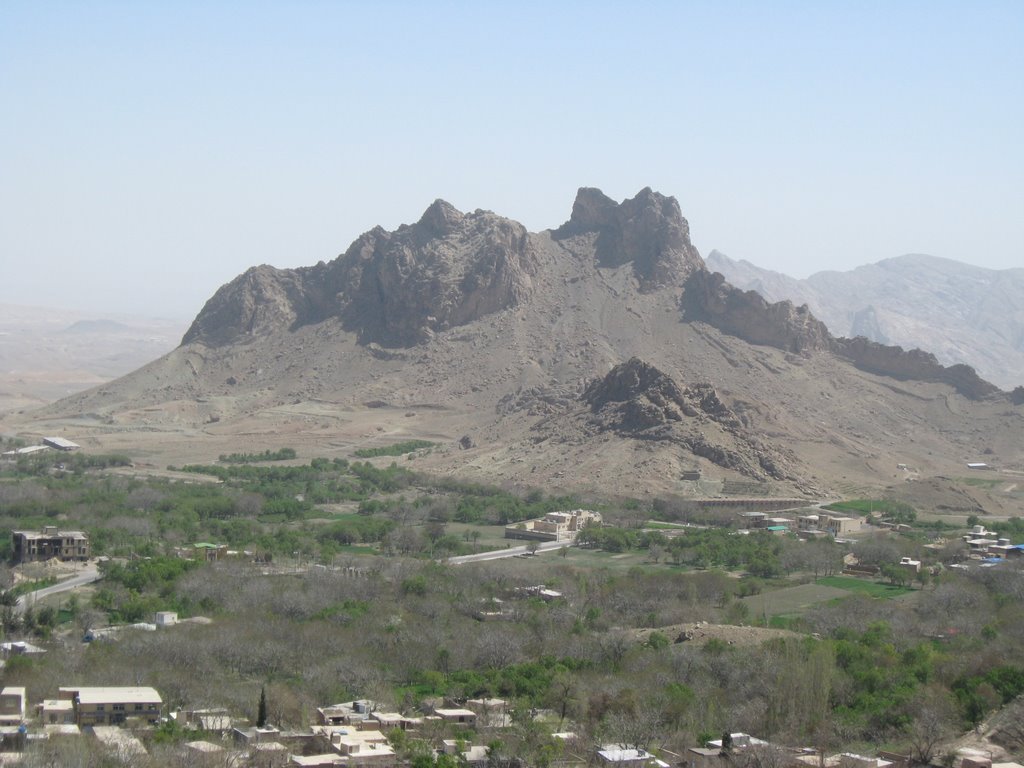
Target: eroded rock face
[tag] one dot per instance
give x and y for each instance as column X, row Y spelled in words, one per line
column 709, row 298
column 648, row 231
column 746, row 314
column 637, row 400
column 448, row 269
column 913, row 364
column 260, row 301
column 392, row 288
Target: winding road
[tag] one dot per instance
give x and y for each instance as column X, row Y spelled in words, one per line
column 87, row 575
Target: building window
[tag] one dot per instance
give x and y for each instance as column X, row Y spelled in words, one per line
column 138, row 707
column 100, row 707
column 119, row 707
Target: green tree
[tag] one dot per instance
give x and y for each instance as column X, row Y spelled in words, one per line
column 261, row 712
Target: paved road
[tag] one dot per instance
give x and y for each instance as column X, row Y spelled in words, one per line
column 87, row 575
column 498, row 554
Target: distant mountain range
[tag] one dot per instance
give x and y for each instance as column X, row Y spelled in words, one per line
column 960, row 313
column 47, row 352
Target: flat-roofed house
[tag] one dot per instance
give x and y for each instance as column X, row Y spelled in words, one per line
column 457, row 716
column 12, row 705
column 57, row 712
column 48, row 543
column 113, row 705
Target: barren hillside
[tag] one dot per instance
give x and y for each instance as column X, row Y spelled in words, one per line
column 464, row 325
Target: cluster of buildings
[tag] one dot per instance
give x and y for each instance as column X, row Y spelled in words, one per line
column 55, row 443
column 739, row 749
column 554, row 526
column 982, row 546
column 821, row 522
column 352, row 734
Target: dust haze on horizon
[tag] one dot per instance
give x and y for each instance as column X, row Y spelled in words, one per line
column 149, row 154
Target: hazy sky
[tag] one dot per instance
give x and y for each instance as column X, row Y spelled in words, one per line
column 150, row 152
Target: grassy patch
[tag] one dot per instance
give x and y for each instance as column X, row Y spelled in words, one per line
column 791, row 602
column 397, row 449
column 872, row 588
column 282, row 454
column 867, row 506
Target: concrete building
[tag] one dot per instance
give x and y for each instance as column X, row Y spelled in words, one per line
column 457, row 716
column 50, row 542
column 57, row 712
column 12, row 705
column 113, row 705
column 841, row 526
column 165, row 618
column 621, row 756
column 554, row 526
column 910, row 565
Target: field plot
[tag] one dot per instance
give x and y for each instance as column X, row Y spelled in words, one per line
column 872, row 588
column 792, row 601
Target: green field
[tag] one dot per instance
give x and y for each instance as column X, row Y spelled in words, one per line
column 792, row 601
column 872, row 588
column 867, row 506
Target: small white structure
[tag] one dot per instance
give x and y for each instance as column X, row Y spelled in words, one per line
column 165, row 618
column 909, row 564
column 621, row 756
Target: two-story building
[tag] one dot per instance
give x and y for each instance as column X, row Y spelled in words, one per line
column 50, row 542
column 113, row 705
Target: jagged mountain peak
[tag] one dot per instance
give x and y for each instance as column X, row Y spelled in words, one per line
column 441, row 217
column 647, row 230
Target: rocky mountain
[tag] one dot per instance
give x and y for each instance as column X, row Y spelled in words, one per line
column 961, row 313
column 600, row 354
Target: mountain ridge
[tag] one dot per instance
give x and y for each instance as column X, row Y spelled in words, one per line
column 961, row 313
column 464, row 325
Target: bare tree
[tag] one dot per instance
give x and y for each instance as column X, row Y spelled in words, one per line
column 932, row 723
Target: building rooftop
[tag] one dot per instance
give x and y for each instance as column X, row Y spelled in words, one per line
column 204, row 746
column 60, row 442
column 50, row 535
column 57, row 705
column 125, row 695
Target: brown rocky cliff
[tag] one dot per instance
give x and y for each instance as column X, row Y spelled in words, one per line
column 709, row 298
column 637, row 400
column 648, row 231
column 260, row 301
column 448, row 269
column 393, row 288
column 745, row 314
column 914, row 364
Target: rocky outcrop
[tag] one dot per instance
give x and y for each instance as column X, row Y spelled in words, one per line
column 448, row 269
column 639, row 401
column 709, row 298
column 961, row 313
column 648, row 231
column 391, row 288
column 914, row 364
column 261, row 301
column 745, row 314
